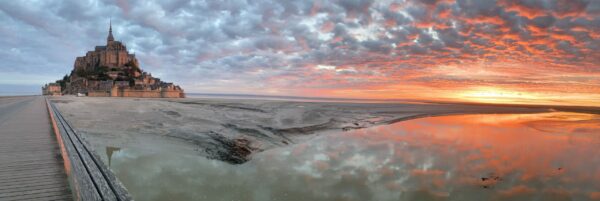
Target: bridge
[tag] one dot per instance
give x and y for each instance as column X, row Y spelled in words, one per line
column 43, row 158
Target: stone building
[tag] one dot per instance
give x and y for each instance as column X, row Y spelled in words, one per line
column 110, row 70
column 52, row 89
column 113, row 55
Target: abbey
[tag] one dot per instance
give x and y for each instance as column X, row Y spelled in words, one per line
column 111, row 70
column 113, row 55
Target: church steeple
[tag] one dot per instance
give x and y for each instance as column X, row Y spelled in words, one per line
column 110, row 36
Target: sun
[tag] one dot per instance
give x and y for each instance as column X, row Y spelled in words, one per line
column 497, row 95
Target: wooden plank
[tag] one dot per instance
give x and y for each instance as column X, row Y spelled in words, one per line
column 28, row 181
column 38, row 154
column 18, row 172
column 9, row 158
column 29, row 159
column 27, row 149
column 6, row 179
column 31, row 172
column 29, row 144
column 39, row 193
column 56, row 177
column 28, row 162
column 27, row 140
column 31, row 187
column 31, row 183
column 52, row 198
column 29, row 167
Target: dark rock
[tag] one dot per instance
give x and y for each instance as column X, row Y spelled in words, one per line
column 234, row 151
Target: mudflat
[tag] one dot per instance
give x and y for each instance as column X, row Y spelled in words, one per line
column 232, row 130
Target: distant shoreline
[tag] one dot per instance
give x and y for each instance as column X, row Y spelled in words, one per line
column 566, row 108
column 16, row 96
column 300, row 98
column 10, row 94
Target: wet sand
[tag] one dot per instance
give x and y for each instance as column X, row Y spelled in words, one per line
column 232, row 130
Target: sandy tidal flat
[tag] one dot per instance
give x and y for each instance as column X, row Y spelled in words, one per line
column 231, row 130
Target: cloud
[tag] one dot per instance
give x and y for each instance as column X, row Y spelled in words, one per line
column 197, row 43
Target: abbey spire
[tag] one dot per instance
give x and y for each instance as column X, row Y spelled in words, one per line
column 110, row 36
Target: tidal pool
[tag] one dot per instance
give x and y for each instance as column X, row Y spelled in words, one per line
column 548, row 156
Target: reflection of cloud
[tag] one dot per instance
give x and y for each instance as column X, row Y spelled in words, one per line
column 440, row 158
column 519, row 191
column 562, row 117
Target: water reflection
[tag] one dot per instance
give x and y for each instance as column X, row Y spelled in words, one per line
column 551, row 156
column 109, row 153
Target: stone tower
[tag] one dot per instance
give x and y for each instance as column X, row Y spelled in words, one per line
column 110, row 36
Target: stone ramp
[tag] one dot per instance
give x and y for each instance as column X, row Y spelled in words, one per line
column 31, row 167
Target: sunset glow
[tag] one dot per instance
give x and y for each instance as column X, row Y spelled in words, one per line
column 494, row 95
column 490, row 51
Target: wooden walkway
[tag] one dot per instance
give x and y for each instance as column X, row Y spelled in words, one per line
column 31, row 167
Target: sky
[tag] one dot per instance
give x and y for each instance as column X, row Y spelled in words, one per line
column 494, row 51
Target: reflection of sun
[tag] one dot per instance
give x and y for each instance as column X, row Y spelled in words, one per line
column 495, row 95
column 508, row 96
column 505, row 119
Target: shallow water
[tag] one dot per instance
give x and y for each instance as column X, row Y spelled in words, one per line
column 549, row 156
column 298, row 98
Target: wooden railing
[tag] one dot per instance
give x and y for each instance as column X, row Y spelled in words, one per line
column 89, row 177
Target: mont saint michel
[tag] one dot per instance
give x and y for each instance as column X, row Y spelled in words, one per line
column 111, row 71
column 300, row 100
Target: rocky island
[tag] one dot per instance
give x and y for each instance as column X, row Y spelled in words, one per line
column 111, row 71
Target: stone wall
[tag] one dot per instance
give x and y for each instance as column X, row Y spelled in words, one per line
column 98, row 94
column 52, row 89
column 140, row 93
column 172, row 94
column 116, row 92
